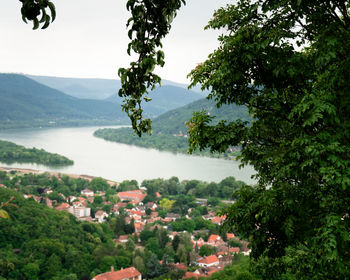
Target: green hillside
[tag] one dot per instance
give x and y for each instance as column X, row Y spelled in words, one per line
column 164, row 98
column 24, row 102
column 169, row 129
column 11, row 152
column 42, row 243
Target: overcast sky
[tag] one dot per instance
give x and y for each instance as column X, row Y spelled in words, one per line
column 89, row 39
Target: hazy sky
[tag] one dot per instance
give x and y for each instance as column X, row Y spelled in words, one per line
column 89, row 39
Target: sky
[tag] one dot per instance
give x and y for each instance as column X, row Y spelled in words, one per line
column 89, row 39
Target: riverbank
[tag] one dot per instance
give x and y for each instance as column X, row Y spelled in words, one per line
column 56, row 174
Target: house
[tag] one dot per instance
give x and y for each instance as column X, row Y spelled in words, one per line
column 100, row 216
column 208, row 261
column 234, row 250
column 213, row 238
column 218, row 220
column 173, row 216
column 130, row 273
column 87, row 192
column 139, row 227
column 80, row 211
column 63, row 207
column 132, row 196
column 122, row 239
column 229, row 236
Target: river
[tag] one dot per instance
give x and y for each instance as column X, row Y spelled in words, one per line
column 97, row 157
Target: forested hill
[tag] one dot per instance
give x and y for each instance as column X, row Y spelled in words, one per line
column 164, row 98
column 169, row 129
column 11, row 152
column 24, row 101
column 173, row 122
column 42, row 243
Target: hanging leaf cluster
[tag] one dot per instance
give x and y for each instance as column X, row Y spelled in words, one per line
column 149, row 23
column 40, row 12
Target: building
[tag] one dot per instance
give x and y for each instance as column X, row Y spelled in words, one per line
column 133, row 196
column 63, row 207
column 79, row 211
column 130, row 273
column 213, row 238
column 208, row 261
column 100, row 216
column 87, row 192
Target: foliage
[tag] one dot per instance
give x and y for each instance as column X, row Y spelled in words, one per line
column 206, row 250
column 287, row 61
column 166, row 204
column 36, row 11
column 149, row 23
column 10, row 152
column 51, row 243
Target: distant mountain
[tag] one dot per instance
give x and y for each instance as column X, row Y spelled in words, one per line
column 90, row 88
column 169, row 129
column 167, row 97
column 24, row 101
column 164, row 98
column 80, row 87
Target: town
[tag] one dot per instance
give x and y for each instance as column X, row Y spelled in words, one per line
column 180, row 231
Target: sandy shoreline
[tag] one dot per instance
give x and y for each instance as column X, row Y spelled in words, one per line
column 56, row 174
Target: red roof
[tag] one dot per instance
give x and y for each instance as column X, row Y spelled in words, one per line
column 234, row 250
column 192, row 274
column 132, row 195
column 213, row 238
column 63, row 206
column 118, row 275
column 230, row 235
column 209, row 259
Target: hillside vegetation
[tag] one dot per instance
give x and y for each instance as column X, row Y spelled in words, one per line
column 11, row 152
column 164, row 98
column 26, row 103
column 169, row 129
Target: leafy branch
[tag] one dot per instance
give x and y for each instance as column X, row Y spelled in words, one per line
column 149, row 23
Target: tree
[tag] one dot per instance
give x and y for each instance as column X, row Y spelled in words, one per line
column 166, row 204
column 154, row 268
column 287, row 62
column 206, row 250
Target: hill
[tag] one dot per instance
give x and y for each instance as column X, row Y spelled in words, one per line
column 11, row 152
column 91, row 88
column 169, row 129
column 24, row 102
column 81, row 87
column 164, row 98
column 42, row 243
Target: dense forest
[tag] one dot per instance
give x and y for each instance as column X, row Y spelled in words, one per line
column 11, row 152
column 169, row 129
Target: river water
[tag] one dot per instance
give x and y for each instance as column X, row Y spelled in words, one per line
column 97, row 157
